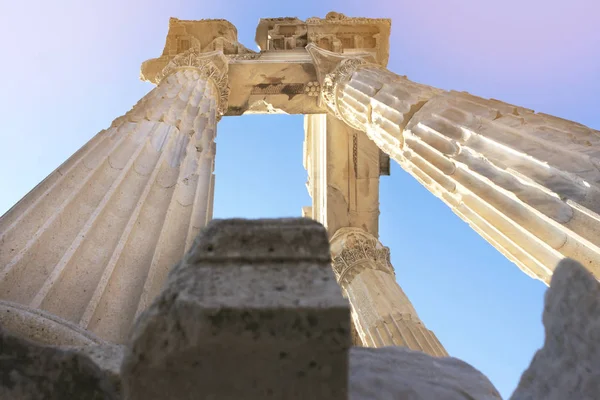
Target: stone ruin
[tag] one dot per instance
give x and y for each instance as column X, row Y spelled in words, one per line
column 253, row 311
column 91, row 306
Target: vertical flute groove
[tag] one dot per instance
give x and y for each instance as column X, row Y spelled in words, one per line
column 528, row 183
column 384, row 314
column 104, row 216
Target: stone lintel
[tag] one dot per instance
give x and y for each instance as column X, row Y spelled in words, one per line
column 279, row 79
column 252, row 311
column 273, row 82
column 266, row 83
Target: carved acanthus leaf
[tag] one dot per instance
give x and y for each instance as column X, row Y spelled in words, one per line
column 337, row 77
column 356, row 250
column 211, row 66
column 334, row 70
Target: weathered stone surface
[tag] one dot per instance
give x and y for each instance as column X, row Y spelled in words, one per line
column 107, row 357
column 42, row 327
column 343, row 178
column 29, row 371
column 336, row 32
column 343, row 167
column 93, row 242
column 382, row 313
column 253, row 311
column 203, row 36
column 527, row 182
column 568, row 366
column 402, row 374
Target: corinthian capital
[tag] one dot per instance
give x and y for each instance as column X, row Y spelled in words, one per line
column 335, row 69
column 353, row 250
column 204, row 45
column 212, row 66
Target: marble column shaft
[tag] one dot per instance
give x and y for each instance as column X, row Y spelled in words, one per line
column 383, row 315
column 93, row 242
column 527, row 182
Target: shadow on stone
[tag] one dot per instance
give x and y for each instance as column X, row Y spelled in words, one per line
column 29, row 371
column 253, row 311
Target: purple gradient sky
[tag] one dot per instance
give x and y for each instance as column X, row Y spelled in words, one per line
column 71, row 67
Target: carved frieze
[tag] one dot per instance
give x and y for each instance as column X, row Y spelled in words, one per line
column 244, row 56
column 354, row 250
column 290, row 89
column 336, row 32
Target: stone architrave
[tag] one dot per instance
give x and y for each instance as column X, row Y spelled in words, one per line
column 93, row 242
column 528, row 182
column 382, row 314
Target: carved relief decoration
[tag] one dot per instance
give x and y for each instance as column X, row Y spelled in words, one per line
column 290, row 89
column 212, row 66
column 339, row 76
column 287, row 37
column 335, row 17
column 244, row 56
column 206, row 35
column 203, row 36
column 357, row 250
column 336, row 32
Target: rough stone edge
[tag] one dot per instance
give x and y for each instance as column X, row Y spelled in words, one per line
column 32, row 371
column 571, row 321
column 302, row 242
column 43, row 328
column 397, row 372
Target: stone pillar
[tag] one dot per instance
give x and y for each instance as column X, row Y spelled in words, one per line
column 382, row 314
column 527, row 182
column 93, row 242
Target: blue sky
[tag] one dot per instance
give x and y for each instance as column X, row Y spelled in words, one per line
column 71, row 67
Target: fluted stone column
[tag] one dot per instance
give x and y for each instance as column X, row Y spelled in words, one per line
column 94, row 241
column 383, row 315
column 527, row 182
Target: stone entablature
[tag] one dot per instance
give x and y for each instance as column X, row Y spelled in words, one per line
column 281, row 77
column 336, row 32
column 204, row 36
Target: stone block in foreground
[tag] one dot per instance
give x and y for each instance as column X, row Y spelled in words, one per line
column 568, row 366
column 253, row 311
column 30, row 371
column 399, row 373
